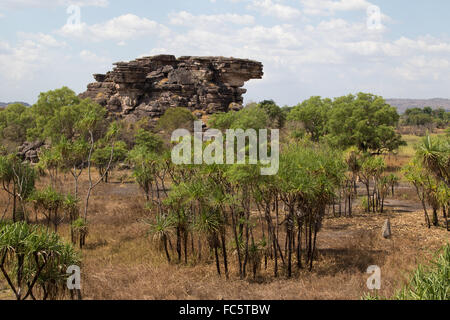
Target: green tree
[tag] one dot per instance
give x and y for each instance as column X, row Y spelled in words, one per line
column 364, row 121
column 15, row 120
column 276, row 115
column 313, row 113
column 176, row 118
column 48, row 105
column 251, row 117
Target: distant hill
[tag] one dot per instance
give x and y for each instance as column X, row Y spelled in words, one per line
column 403, row 104
column 4, row 104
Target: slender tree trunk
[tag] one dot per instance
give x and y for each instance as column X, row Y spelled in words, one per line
column 299, row 245
column 289, row 236
column 236, row 239
column 224, row 251
column 216, row 254
column 14, row 202
column 313, row 248
column 185, row 238
column 435, row 217
column 179, row 244
column 368, row 198
column 165, row 248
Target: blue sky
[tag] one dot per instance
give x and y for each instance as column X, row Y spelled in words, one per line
column 308, row 47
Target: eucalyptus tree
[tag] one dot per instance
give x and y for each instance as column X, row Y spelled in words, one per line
column 313, row 114
column 365, row 121
column 15, row 120
column 48, row 111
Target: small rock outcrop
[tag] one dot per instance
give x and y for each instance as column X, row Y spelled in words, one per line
column 149, row 86
column 29, row 151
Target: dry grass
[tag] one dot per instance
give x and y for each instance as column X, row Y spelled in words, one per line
column 121, row 262
column 405, row 153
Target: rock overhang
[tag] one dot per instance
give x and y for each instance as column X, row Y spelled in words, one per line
column 148, row 86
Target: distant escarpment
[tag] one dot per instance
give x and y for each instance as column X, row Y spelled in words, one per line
column 403, row 104
column 149, row 86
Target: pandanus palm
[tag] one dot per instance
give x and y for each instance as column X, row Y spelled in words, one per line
column 434, row 153
column 161, row 231
column 208, row 223
column 30, row 256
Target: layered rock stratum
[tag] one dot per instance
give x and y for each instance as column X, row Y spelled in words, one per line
column 149, row 86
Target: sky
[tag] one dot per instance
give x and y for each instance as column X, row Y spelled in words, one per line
column 328, row 48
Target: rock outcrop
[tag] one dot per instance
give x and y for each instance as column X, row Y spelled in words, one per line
column 149, row 86
column 29, row 151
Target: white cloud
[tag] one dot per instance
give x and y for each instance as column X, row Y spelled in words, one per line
column 42, row 38
column 276, row 9
column 329, row 7
column 91, row 57
column 308, row 58
column 184, row 18
column 128, row 26
column 23, row 60
column 17, row 4
column 326, row 56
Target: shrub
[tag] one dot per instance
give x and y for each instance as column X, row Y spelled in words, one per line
column 30, row 257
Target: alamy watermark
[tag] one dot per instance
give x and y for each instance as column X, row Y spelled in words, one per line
column 74, row 19
column 235, row 147
column 74, row 280
column 374, row 18
column 374, row 281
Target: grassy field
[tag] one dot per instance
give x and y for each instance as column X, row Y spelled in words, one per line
column 121, row 262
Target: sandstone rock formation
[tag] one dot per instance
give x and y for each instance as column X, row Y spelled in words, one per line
column 29, row 151
column 149, row 86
